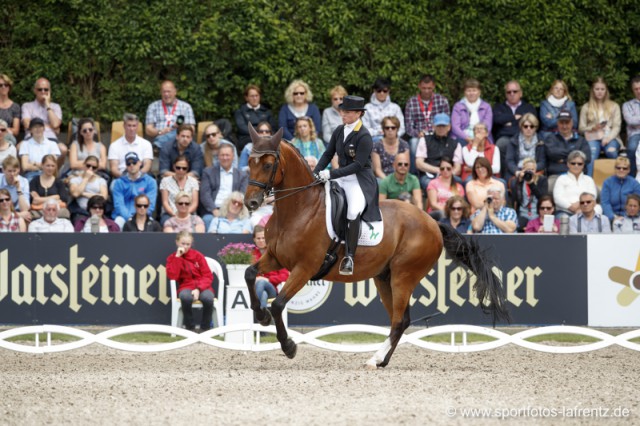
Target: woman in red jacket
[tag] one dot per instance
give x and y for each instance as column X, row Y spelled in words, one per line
column 267, row 284
column 190, row 270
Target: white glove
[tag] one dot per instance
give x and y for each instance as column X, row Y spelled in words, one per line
column 323, row 175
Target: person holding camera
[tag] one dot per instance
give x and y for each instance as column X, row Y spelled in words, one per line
column 526, row 190
column 166, row 115
column 494, row 217
column 525, row 144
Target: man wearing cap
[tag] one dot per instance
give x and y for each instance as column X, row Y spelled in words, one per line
column 433, row 147
column 352, row 143
column 557, row 147
column 131, row 184
column 32, row 150
column 129, row 142
column 165, row 115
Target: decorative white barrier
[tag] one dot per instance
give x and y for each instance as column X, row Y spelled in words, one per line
column 312, row 338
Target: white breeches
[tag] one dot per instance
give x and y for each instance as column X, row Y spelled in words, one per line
column 355, row 197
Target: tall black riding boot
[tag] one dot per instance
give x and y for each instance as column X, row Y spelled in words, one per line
column 351, row 242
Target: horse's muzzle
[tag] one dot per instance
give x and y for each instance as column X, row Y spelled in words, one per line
column 252, row 205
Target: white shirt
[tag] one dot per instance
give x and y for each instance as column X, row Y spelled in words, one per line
column 226, row 185
column 348, row 128
column 36, row 150
column 121, row 147
column 58, row 225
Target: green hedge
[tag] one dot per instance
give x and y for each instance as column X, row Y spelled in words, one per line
column 105, row 57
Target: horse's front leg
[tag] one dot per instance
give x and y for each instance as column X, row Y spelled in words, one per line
column 263, row 316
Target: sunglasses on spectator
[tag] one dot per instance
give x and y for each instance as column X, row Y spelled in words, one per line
column 42, row 89
column 577, row 164
column 236, row 203
column 91, row 166
column 212, row 134
column 5, row 200
column 621, row 168
column 338, row 99
column 546, row 208
column 298, row 93
column 586, row 203
column 181, row 168
column 382, row 90
column 456, row 209
column 511, row 92
column 402, row 164
column 5, row 85
column 528, row 126
column 445, row 168
column 389, row 127
column 142, row 206
column 183, row 203
column 130, row 163
column 96, row 207
column 87, row 130
column 3, row 130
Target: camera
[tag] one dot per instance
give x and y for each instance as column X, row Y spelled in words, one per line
column 528, row 175
column 180, row 120
column 489, row 200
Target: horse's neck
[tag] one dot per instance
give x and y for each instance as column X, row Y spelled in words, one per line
column 297, row 201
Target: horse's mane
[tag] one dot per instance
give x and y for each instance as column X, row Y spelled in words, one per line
column 297, row 153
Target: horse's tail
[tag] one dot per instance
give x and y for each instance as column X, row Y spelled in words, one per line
column 488, row 286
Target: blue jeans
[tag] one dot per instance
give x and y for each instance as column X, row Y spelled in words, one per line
column 632, row 146
column 265, row 291
column 610, row 151
column 161, row 140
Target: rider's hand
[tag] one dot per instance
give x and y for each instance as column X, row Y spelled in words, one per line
column 324, row 175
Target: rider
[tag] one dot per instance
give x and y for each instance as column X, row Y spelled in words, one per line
column 353, row 145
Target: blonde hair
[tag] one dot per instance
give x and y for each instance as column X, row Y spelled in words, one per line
column 234, row 196
column 313, row 135
column 338, row 90
column 529, row 118
column 623, row 161
column 564, row 86
column 184, row 234
column 8, row 194
column 288, row 93
column 208, row 152
column 593, row 105
column 531, row 160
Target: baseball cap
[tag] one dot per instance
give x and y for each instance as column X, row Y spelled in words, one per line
column 564, row 115
column 36, row 122
column 131, row 157
column 441, row 119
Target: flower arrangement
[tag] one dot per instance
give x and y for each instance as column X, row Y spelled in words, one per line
column 236, row 253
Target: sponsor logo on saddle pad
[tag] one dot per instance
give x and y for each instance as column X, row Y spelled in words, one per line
column 310, row 297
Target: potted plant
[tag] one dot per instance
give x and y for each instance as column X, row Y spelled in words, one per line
column 237, row 257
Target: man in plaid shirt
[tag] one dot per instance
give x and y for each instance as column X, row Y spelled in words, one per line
column 494, row 217
column 419, row 113
column 165, row 115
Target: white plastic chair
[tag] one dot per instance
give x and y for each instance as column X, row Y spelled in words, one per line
column 177, row 317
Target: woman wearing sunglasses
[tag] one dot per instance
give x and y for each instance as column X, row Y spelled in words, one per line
column 183, row 220
column 9, row 110
column 442, row 188
column 87, row 144
column 264, row 131
column 380, row 106
column 171, row 186
column 97, row 221
column 546, row 206
column 331, row 117
column 525, row 144
column 299, row 104
column 141, row 221
column 569, row 186
column 251, row 112
column 456, row 214
column 616, row 188
column 9, row 219
column 385, row 151
column 210, row 146
column 85, row 186
column 234, row 217
column 6, row 149
column 526, row 190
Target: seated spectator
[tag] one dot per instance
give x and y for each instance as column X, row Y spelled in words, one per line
column 587, row 221
column 217, row 184
column 189, row 268
column 165, row 115
column 87, row 145
column 17, row 186
column 526, row 191
column 379, row 107
column 48, row 186
column 433, row 146
column 482, row 180
column 184, row 220
column 141, row 221
column 307, row 142
column 494, row 217
column 6, row 148
column 557, row 147
column 299, row 104
column 252, row 111
column 456, row 214
column 600, row 121
column 631, row 113
column 616, row 188
column 331, row 117
column 401, row 182
column 96, row 222
column 128, row 186
column 263, row 213
column 558, row 99
column 525, row 144
column 546, row 206
column 479, row 146
column 630, row 222
column 442, row 188
column 32, row 150
column 129, row 142
column 570, row 185
column 50, row 220
column 234, row 217
column 9, row 112
column 85, row 186
column 171, row 186
column 468, row 112
column 183, row 146
column 210, row 147
column 386, row 149
column 9, row 219
column 268, row 283
column 263, row 130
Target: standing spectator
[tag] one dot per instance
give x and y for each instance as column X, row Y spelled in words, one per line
column 587, row 220
column 630, row 223
column 252, row 111
column 442, row 188
column 631, row 112
column 299, row 104
column 213, row 139
column 263, row 130
column 189, row 268
column 479, row 146
column 569, row 186
column 401, row 182
column 171, row 186
column 141, row 221
column 84, row 186
column 379, row 107
column 600, row 121
column 331, row 117
column 456, row 214
column 33, row 150
column 234, row 217
column 546, row 206
column 494, row 217
column 434, row 146
column 97, row 219
column 525, row 144
column 128, row 186
column 183, row 220
column 558, row 99
column 10, row 221
column 506, row 116
column 9, row 111
column 481, row 180
column 420, row 112
column 385, row 150
column 87, row 145
column 165, row 115
column 469, row 111
column 526, row 190
column 50, row 220
column 183, row 146
column 616, row 188
column 48, row 112
column 130, row 142
column 266, row 284
column 18, row 187
column 307, row 142
column 48, row 186
column 6, row 148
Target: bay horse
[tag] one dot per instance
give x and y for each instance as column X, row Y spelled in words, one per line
column 297, row 239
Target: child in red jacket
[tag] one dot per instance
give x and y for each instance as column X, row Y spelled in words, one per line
column 190, row 270
column 266, row 284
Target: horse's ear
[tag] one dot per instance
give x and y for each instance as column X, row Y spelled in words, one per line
column 253, row 133
column 275, row 139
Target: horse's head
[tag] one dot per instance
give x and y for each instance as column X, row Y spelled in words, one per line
column 263, row 167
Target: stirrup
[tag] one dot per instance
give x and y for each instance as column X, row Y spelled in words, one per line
column 346, row 266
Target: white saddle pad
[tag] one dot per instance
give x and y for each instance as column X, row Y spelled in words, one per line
column 368, row 236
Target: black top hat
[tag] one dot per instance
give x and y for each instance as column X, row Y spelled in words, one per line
column 352, row 103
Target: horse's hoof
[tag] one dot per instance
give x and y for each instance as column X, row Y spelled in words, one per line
column 370, row 366
column 266, row 319
column 290, row 349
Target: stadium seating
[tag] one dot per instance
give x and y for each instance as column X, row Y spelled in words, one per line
column 602, row 169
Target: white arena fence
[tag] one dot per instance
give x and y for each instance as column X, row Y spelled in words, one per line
column 313, row 338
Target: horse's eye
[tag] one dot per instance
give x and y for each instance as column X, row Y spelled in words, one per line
column 267, row 166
